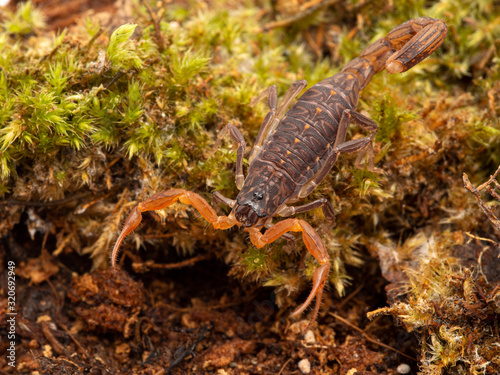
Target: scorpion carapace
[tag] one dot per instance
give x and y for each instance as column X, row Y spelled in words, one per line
column 294, row 151
column 262, row 193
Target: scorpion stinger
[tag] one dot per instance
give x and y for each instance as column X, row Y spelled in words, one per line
column 294, row 154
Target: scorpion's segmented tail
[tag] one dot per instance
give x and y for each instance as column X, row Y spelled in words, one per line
column 402, row 48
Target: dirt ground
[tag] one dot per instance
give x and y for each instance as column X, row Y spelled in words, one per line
column 124, row 322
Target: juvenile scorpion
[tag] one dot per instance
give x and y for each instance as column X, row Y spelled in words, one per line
column 293, row 153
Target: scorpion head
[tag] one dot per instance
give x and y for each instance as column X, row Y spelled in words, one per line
column 251, row 212
column 264, row 191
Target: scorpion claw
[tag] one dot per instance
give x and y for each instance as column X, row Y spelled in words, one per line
column 133, row 220
column 319, row 280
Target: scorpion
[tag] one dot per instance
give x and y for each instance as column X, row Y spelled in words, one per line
column 294, row 151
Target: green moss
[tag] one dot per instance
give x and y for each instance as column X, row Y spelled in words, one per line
column 257, row 260
column 25, row 20
column 389, row 115
column 121, row 52
column 366, row 183
column 186, row 64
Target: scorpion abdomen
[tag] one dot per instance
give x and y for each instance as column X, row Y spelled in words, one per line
column 307, row 133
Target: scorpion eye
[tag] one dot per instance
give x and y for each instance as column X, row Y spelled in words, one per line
column 258, row 195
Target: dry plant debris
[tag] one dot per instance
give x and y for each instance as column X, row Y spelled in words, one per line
column 490, row 187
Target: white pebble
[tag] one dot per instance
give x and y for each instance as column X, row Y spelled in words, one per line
column 305, row 366
column 309, row 338
column 403, row 368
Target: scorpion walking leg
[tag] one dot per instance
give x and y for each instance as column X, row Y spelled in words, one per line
column 350, row 146
column 342, row 146
column 315, row 247
column 294, row 90
column 275, row 113
column 218, row 197
column 322, row 202
column 371, row 126
column 163, row 200
column 363, row 122
column 236, row 136
column 272, row 102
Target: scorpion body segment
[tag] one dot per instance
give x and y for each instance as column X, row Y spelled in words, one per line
column 294, row 153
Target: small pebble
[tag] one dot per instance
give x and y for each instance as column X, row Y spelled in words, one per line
column 304, row 366
column 403, row 368
column 47, row 351
column 309, row 338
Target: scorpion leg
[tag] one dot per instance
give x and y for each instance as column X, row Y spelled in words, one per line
column 350, row 146
column 291, row 242
column 342, row 146
column 315, row 247
column 163, row 200
column 371, row 126
column 275, row 113
column 294, row 90
column 271, row 93
column 322, row 202
column 218, row 197
column 272, row 102
column 236, row 136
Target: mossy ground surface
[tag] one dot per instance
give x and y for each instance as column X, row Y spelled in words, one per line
column 103, row 108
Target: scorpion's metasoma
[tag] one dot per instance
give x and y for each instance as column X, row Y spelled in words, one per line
column 293, row 153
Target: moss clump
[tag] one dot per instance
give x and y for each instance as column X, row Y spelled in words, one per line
column 121, row 52
column 452, row 308
column 27, row 19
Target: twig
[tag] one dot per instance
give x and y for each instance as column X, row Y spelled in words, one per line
column 117, row 76
column 184, row 263
column 475, row 191
column 183, row 352
column 493, row 177
column 283, row 367
column 369, row 338
column 349, row 297
column 56, row 345
column 481, row 238
column 84, row 208
column 161, row 42
column 50, row 55
column 16, row 202
column 304, row 11
column 93, row 39
column 82, row 349
column 213, row 307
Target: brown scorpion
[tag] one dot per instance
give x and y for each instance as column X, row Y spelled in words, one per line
column 293, row 153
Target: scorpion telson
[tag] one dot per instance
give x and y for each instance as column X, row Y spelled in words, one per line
column 295, row 150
